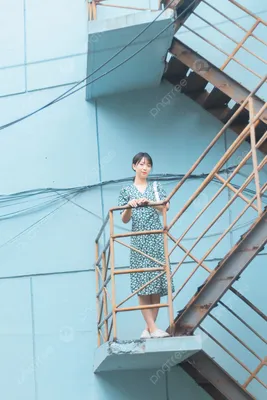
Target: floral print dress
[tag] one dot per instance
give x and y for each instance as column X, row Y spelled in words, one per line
column 144, row 219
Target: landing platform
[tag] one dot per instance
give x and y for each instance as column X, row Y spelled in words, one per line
column 145, row 354
column 106, row 37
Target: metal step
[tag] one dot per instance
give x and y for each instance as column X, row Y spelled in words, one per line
column 215, row 99
column 176, row 71
column 225, row 88
column 195, row 84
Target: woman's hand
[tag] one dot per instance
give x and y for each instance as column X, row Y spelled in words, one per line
column 133, row 203
column 143, row 201
column 138, row 202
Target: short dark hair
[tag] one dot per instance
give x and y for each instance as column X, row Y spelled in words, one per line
column 139, row 156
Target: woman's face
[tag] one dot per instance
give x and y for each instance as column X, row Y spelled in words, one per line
column 143, row 168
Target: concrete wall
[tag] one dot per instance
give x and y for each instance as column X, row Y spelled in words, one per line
column 48, row 334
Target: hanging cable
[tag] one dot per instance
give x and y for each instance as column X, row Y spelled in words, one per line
column 69, row 92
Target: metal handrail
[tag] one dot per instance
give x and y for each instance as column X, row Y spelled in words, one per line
column 93, row 4
column 255, row 310
column 240, row 45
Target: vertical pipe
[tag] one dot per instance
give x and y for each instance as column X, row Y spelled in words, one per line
column 97, row 298
column 254, row 156
column 112, row 269
column 167, row 268
column 105, row 306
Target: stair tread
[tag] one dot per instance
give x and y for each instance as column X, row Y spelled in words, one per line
column 195, row 83
column 216, row 98
column 175, row 68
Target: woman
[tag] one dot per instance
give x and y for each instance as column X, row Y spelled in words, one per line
column 142, row 192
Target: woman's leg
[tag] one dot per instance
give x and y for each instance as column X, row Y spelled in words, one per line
column 148, row 313
column 155, row 300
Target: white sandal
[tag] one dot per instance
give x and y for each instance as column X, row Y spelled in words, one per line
column 158, row 333
column 145, row 335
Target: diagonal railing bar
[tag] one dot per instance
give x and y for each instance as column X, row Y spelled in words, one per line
column 233, row 189
column 104, row 285
column 231, row 355
column 108, row 295
column 242, row 320
column 141, row 288
column 254, row 374
column 236, row 23
column 232, row 148
column 216, row 195
column 105, row 319
column 235, row 337
column 230, row 57
column 215, row 140
column 104, row 294
column 140, row 252
column 189, row 254
column 247, row 11
column 252, row 306
column 220, row 238
column 100, row 257
column 225, row 349
column 234, row 52
column 216, row 243
column 229, row 37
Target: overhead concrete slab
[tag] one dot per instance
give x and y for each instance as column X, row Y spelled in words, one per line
column 107, row 37
column 145, row 354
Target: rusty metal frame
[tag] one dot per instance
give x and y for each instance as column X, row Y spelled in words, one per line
column 219, row 280
column 249, row 33
column 263, row 361
column 232, row 266
column 208, row 373
column 93, row 4
column 166, row 231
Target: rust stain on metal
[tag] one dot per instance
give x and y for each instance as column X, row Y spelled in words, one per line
column 203, row 307
column 250, row 249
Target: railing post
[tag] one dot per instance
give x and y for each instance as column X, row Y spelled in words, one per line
column 112, row 270
column 94, row 9
column 97, row 297
column 254, row 156
column 167, row 267
column 104, row 274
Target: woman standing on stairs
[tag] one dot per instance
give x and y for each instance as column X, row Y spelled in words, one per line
column 141, row 192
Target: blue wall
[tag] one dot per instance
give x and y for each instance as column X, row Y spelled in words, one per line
column 48, row 333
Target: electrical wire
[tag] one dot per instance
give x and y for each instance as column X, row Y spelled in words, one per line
column 25, row 196
column 69, row 91
column 35, row 223
column 70, row 193
column 12, row 199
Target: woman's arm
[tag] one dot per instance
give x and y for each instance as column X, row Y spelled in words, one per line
column 127, row 214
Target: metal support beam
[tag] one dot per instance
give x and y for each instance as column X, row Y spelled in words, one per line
column 222, row 278
column 214, row 75
column 213, row 378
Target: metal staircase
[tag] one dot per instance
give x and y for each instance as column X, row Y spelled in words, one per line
column 244, row 111
column 186, row 64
